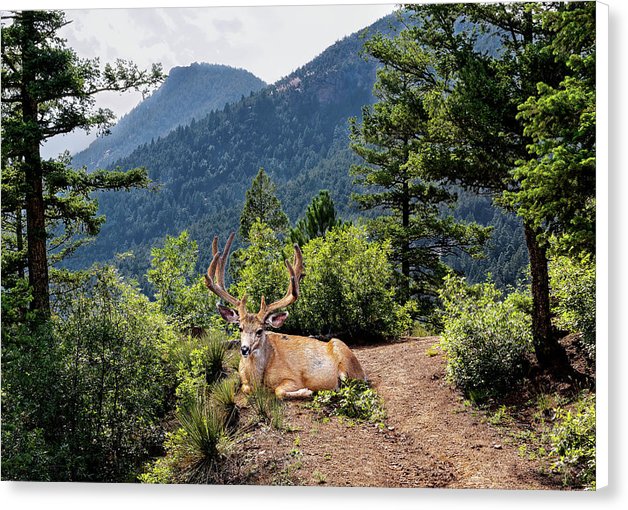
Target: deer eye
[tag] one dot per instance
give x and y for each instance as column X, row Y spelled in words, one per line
column 259, row 332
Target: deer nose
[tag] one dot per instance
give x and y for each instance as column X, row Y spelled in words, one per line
column 245, row 349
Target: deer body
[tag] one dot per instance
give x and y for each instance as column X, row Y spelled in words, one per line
column 292, row 366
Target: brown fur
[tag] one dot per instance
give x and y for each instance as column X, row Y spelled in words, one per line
column 288, row 364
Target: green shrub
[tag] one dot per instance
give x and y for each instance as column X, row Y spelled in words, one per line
column 348, row 289
column 91, row 412
column 199, row 363
column 195, row 451
column 354, row 399
column 223, row 394
column 572, row 440
column 486, row 338
column 267, row 407
column 179, row 290
column 572, row 284
column 112, row 338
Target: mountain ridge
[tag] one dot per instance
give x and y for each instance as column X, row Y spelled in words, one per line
column 188, row 92
column 297, row 129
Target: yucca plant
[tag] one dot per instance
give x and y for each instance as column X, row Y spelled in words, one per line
column 223, row 395
column 204, row 439
column 268, row 408
column 216, row 348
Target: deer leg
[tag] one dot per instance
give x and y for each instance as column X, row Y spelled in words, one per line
column 302, row 393
column 289, row 390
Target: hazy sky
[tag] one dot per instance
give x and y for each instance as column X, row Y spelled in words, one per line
column 269, row 41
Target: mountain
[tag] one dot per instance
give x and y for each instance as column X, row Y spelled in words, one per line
column 187, row 93
column 297, row 129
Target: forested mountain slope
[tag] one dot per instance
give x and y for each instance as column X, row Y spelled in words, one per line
column 188, row 92
column 297, row 129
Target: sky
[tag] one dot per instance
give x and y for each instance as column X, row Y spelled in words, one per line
column 269, row 41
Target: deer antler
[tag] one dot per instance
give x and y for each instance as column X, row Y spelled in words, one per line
column 296, row 273
column 215, row 277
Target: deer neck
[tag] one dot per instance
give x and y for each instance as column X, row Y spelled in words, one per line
column 259, row 359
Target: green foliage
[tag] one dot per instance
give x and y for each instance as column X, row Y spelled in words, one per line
column 348, row 290
column 179, row 290
column 486, row 338
column 260, row 270
column 262, row 205
column 223, row 394
column 199, row 362
column 202, row 434
column 196, row 451
column 572, row 443
column 267, row 407
column 354, row 399
column 320, row 217
column 82, row 395
column 557, row 179
column 572, row 284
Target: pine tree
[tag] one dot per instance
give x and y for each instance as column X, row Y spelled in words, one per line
column 557, row 179
column 47, row 90
column 261, row 204
column 320, row 217
column 413, row 207
column 478, row 64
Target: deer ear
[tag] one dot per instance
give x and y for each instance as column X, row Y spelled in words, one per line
column 229, row 314
column 276, row 320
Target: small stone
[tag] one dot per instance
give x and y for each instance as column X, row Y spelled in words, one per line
column 390, row 427
column 497, row 446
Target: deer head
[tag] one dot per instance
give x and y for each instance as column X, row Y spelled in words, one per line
column 252, row 326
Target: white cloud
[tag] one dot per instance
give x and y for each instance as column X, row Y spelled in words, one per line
column 269, row 41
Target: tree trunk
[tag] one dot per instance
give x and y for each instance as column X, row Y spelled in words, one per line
column 546, row 347
column 19, row 239
column 36, row 237
column 35, row 207
column 405, row 246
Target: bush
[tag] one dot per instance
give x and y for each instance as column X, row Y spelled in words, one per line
column 112, row 338
column 90, row 414
column 267, row 407
column 572, row 441
column 354, row 399
column 196, row 450
column 179, row 290
column 572, row 284
column 348, row 290
column 199, row 362
column 486, row 338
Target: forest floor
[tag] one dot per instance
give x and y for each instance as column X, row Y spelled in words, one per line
column 432, row 437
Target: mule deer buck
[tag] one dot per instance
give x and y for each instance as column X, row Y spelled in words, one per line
column 293, row 366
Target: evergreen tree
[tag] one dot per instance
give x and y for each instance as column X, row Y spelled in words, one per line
column 48, row 90
column 557, row 179
column 320, row 217
column 261, row 204
column 476, row 133
column 392, row 129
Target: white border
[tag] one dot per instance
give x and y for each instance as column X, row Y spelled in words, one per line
column 601, row 183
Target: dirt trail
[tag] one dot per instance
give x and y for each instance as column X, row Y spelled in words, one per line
column 430, row 439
